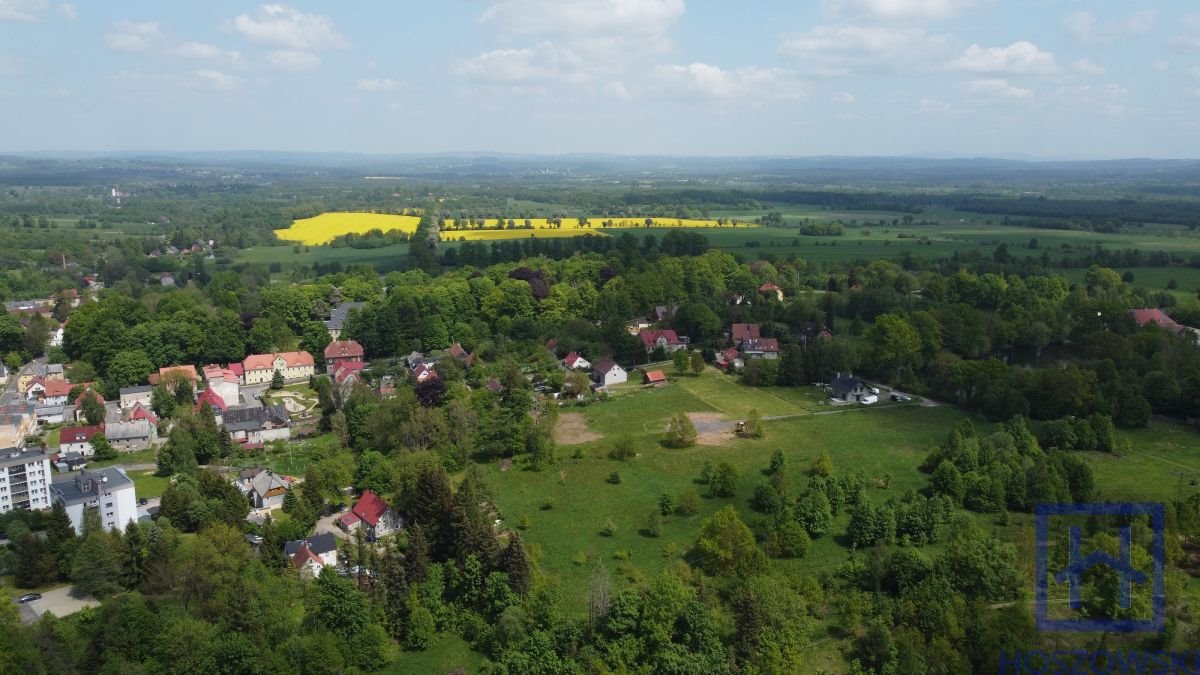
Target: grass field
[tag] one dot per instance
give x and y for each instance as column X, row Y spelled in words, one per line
column 601, row 223
column 323, row 228
column 496, row 235
column 147, row 485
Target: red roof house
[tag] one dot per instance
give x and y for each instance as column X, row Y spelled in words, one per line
column 771, row 290
column 342, row 351
column 667, row 339
column 745, row 331
column 213, row 399
column 1156, row 316
column 371, row 512
column 654, row 377
column 141, row 412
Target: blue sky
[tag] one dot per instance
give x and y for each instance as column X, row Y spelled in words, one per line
column 1049, row 78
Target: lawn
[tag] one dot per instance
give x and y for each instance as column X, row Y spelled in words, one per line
column 146, row 485
column 448, row 654
column 724, row 394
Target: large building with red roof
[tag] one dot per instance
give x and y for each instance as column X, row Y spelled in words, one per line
column 372, row 513
column 342, row 351
column 666, row 339
column 261, row 368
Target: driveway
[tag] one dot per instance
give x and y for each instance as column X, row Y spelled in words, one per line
column 329, row 524
column 57, row 601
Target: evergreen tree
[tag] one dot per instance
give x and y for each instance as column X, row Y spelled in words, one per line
column 393, row 579
column 61, row 538
column 133, row 555
column 416, row 557
column 36, row 564
column 96, row 567
column 277, row 380
column 515, row 564
column 432, row 508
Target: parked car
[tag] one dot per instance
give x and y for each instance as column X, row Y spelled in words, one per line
column 875, row 390
column 901, row 397
column 143, row 501
column 29, row 597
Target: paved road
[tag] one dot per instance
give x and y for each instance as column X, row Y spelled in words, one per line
column 58, row 601
column 329, row 524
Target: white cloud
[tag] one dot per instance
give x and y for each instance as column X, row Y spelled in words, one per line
column 843, row 97
column 934, row 105
column 377, row 84
column 542, row 63
column 1019, row 58
column 741, row 83
column 1188, row 38
column 133, row 36
column 899, row 9
column 216, row 79
column 999, row 88
column 22, row 10
column 584, row 17
column 617, row 88
column 834, row 51
column 1088, row 67
column 291, row 59
column 68, row 11
column 286, row 27
column 206, row 52
column 1084, row 27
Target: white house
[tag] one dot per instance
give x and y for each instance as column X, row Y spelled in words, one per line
column 606, row 372
column 110, row 491
column 309, row 555
column 574, row 361
column 261, row 368
column 224, row 382
column 78, row 439
column 131, row 396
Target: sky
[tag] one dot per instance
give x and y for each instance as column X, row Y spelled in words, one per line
column 1054, row 79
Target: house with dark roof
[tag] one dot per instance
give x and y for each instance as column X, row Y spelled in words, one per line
column 131, row 396
column 848, row 388
column 264, row 488
column 257, row 424
column 130, row 436
column 760, row 348
column 744, row 331
column 666, row 339
column 109, row 491
column 312, row 554
column 606, row 372
column 79, row 439
column 338, row 315
column 373, row 514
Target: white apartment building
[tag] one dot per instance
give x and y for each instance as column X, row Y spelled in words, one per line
column 110, row 491
column 24, row 480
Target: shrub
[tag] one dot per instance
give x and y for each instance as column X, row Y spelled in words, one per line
column 689, row 502
column 547, row 503
column 823, row 466
column 623, row 449
column 777, row 462
column 609, row 529
column 681, row 433
column 724, row 482
column 789, row 540
column 654, row 524
column 614, row 478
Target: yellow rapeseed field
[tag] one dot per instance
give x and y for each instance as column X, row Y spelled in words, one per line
column 495, row 235
column 323, row 228
column 601, row 223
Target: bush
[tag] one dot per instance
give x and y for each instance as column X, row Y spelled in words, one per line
column 707, row 471
column 614, row 478
column 609, row 529
column 547, row 503
column 789, row 540
column 666, row 504
column 754, row 424
column 681, row 433
column 777, row 462
column 654, row 524
column 823, row 466
column 689, row 502
column 724, row 482
column 623, row 449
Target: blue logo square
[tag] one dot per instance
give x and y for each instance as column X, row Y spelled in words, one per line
column 1079, row 564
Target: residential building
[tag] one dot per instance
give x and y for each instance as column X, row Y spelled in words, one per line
column 254, row 424
column 848, row 388
column 373, row 514
column 110, row 491
column 771, row 291
column 423, row 372
column 170, row 373
column 606, row 372
column 338, row 315
column 24, row 480
column 346, row 374
column 213, row 400
column 310, row 555
column 730, row 359
column 57, row 335
column 224, row 381
column 456, row 350
column 79, row 439
column 50, row 414
column 71, row 461
column 760, row 348
column 1156, row 316
column 663, row 312
column 264, row 488
column 666, row 340
column 637, row 325
column 141, row 412
column 130, row 436
column 810, row 332
column 342, row 351
column 261, row 368
column 744, row 331
column 132, row 396
column 17, row 421
column 574, row 361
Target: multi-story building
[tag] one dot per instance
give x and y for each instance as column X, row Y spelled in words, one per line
column 110, row 491
column 24, row 480
column 261, row 368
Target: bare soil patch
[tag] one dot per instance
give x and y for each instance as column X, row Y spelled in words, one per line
column 572, row 429
column 712, row 429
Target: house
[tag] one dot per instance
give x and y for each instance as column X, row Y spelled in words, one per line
column 606, row 372
column 387, row 386
column 264, row 488
column 110, row 491
column 295, row 366
column 730, row 358
column 735, row 298
column 423, row 372
column 172, row 373
column 574, row 361
column 17, row 421
column 167, row 280
column 346, row 375
column 744, row 331
column 224, row 381
column 24, row 480
column 311, row 554
column 141, row 412
column 493, row 385
column 666, row 340
column 416, row 359
column 254, row 424
column 654, row 378
column 342, row 351
column 71, row 461
column 134, row 396
column 338, row 315
column 846, row 387
column 214, row 401
column 55, row 372
column 79, row 439
column 771, row 291
column 57, row 335
column 1156, row 316
column 373, row 514
column 762, row 348
column 50, row 414
column 810, row 332
column 456, row 350
column 49, row 392
column 130, row 436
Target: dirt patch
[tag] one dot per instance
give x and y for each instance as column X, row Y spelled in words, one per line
column 572, row 429
column 712, row 429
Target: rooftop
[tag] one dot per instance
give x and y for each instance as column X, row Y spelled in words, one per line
column 89, row 484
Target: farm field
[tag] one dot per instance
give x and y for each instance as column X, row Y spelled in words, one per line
column 601, row 223
column 496, row 235
column 324, row 228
